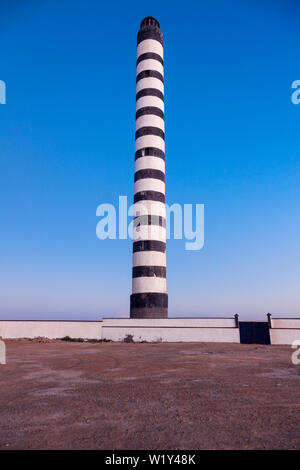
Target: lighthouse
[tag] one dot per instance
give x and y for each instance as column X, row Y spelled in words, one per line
column 149, row 297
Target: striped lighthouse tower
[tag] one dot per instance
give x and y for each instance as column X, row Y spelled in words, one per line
column 149, row 297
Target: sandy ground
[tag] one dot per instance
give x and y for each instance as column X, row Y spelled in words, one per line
column 60, row 395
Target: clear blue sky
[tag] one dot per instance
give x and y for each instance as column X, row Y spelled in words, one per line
column 67, row 145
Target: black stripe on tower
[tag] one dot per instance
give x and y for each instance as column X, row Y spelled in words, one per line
column 149, row 245
column 149, row 305
column 149, row 110
column 149, row 74
column 150, row 92
column 149, row 152
column 149, row 220
column 149, row 196
column 149, row 173
column 149, row 130
column 149, row 271
column 149, row 55
column 148, row 33
column 148, row 299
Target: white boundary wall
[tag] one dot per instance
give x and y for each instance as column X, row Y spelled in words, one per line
column 117, row 329
column 284, row 330
column 220, row 330
column 50, row 329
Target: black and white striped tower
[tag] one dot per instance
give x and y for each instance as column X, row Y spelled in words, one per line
column 149, row 297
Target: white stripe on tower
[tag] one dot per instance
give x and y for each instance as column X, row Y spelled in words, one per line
column 150, row 64
column 149, row 297
column 150, row 101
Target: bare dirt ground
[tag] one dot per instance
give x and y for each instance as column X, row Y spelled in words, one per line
column 60, row 395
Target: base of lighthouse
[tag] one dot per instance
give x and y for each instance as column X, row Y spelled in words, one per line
column 149, row 305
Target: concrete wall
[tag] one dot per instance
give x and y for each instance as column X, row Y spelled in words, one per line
column 117, row 329
column 171, row 322
column 221, row 330
column 289, row 323
column 50, row 329
column 284, row 330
